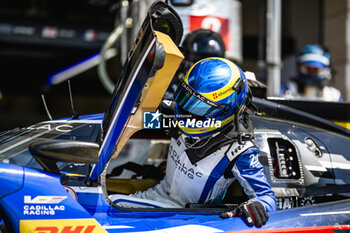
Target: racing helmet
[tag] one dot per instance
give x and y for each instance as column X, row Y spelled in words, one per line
column 314, row 65
column 211, row 95
column 203, row 43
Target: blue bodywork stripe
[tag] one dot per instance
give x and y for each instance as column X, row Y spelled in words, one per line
column 54, row 78
column 215, row 175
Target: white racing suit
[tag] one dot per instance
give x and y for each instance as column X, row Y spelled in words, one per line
column 204, row 181
column 327, row 93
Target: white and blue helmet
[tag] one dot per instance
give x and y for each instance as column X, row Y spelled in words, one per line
column 314, row 65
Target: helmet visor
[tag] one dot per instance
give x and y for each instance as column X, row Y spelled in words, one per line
column 312, row 70
column 193, row 102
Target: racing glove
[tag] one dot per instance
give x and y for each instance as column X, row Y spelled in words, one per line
column 253, row 213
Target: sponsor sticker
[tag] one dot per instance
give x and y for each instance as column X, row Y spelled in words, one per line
column 43, row 199
column 61, row 226
column 42, row 205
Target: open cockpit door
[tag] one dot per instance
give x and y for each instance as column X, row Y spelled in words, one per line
column 147, row 73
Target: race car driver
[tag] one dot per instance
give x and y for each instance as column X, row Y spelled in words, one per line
column 205, row 158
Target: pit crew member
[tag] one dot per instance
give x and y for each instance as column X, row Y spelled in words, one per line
column 314, row 76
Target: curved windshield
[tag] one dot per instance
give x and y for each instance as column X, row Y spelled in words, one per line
column 14, row 143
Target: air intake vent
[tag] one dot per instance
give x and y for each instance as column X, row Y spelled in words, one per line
column 284, row 159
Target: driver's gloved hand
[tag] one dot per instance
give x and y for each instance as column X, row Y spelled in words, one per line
column 253, row 213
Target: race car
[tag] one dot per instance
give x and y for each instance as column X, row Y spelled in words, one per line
column 56, row 176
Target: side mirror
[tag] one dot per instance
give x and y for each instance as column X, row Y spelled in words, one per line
column 48, row 153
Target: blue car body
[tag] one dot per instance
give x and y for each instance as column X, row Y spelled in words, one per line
column 25, row 210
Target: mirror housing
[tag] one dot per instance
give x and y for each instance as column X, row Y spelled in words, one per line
column 48, row 153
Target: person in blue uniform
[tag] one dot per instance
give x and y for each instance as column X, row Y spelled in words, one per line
column 214, row 148
column 314, row 76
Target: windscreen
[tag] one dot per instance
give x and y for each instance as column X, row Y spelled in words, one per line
column 14, row 143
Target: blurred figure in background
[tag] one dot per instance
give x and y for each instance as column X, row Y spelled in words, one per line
column 197, row 45
column 314, row 76
column 203, row 43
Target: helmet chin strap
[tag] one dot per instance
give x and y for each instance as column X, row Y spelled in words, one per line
column 239, row 130
column 195, row 142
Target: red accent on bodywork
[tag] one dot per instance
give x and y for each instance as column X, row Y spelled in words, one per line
column 46, row 229
column 89, row 229
column 68, row 229
column 315, row 229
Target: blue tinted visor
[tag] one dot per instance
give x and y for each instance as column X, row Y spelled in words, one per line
column 193, row 102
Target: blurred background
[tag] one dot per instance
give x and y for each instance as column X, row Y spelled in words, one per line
column 40, row 38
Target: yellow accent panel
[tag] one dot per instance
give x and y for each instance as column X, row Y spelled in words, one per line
column 129, row 186
column 88, row 225
column 227, row 89
column 154, row 89
column 343, row 124
column 163, row 77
